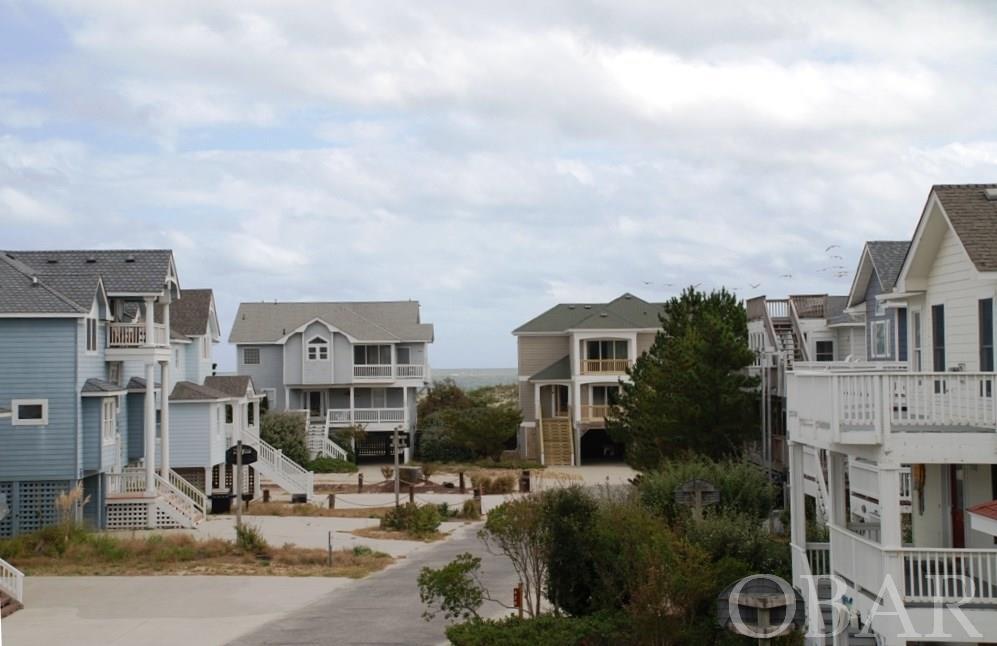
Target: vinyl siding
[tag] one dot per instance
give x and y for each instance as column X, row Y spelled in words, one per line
column 39, row 361
column 318, row 371
column 342, row 356
column 91, row 433
column 952, row 282
column 112, row 454
column 268, row 373
column 190, row 434
column 842, row 343
column 135, row 425
column 644, row 342
column 873, row 290
column 538, row 352
column 526, row 404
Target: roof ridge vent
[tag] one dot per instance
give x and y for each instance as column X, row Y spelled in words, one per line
column 991, row 194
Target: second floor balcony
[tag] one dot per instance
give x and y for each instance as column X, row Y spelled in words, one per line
column 350, row 416
column 135, row 335
column 388, row 371
column 605, row 366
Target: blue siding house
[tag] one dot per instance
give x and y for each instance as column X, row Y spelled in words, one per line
column 885, row 327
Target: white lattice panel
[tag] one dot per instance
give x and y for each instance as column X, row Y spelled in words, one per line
column 128, row 515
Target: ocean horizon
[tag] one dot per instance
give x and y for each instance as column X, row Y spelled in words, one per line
column 469, row 378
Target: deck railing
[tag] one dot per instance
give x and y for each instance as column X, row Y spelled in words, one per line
column 778, row 308
column 819, row 558
column 128, row 482
column 950, row 575
column 409, row 371
column 595, row 411
column 850, row 366
column 196, row 496
column 605, row 366
column 12, row 581
column 133, row 335
column 339, row 416
column 372, row 372
column 895, row 401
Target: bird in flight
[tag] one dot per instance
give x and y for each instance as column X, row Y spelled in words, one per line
column 786, row 276
column 754, row 285
column 833, row 246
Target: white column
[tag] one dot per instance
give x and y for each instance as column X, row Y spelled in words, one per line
column 576, row 365
column 150, row 319
column 797, row 503
column 537, row 404
column 575, row 399
column 150, row 428
column 405, row 419
column 891, row 535
column 166, row 323
column 352, row 405
column 836, row 470
column 164, row 420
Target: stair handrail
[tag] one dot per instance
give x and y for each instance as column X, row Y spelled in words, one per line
column 799, row 341
column 12, row 581
column 179, row 499
column 198, row 497
column 284, row 465
column 332, row 449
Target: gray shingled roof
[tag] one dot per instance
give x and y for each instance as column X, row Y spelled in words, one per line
column 94, row 386
column 189, row 391
column 625, row 312
column 191, row 314
column 138, row 383
column 835, row 310
column 974, row 219
column 231, row 385
column 22, row 293
column 123, row 271
column 369, row 321
column 560, row 370
column 887, row 258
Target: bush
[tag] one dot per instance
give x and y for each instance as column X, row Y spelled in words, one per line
column 436, row 444
column 741, row 537
column 411, row 518
column 286, row 431
column 569, row 518
column 362, row 550
column 743, row 488
column 604, row 629
column 493, row 482
column 250, row 539
column 325, row 464
column 470, row 510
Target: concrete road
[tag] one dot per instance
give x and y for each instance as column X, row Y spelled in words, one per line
column 155, row 610
column 384, row 608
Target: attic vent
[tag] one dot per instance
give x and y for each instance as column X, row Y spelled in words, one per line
column 603, row 314
column 571, row 307
column 130, row 258
column 588, row 307
column 991, row 194
column 91, row 260
column 52, row 261
column 628, row 297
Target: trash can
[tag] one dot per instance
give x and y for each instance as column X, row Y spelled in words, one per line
column 524, row 481
column 221, row 503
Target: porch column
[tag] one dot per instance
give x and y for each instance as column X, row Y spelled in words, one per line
column 537, row 404
column 166, row 322
column 150, row 428
column 164, row 420
column 797, row 497
column 891, row 535
column 352, row 405
column 405, row 420
column 150, row 319
column 575, row 400
column 836, row 471
column 576, row 364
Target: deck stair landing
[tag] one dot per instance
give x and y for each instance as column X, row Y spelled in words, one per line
column 558, row 447
column 280, row 469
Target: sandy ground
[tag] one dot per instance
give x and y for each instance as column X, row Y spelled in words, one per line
column 156, row 610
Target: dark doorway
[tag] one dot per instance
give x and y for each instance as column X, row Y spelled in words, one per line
column 375, row 448
column 958, row 513
column 597, row 446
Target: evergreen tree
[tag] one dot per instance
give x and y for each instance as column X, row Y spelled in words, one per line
column 690, row 392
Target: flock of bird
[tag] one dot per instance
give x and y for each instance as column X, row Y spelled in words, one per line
column 836, row 269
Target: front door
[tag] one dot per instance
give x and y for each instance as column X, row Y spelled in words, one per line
column 955, row 504
column 315, row 403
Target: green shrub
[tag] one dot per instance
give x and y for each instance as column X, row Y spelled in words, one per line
column 411, row 518
column 287, row 432
column 325, row 464
column 743, row 488
column 604, row 629
column 741, row 537
column 569, row 519
column 250, row 539
column 362, row 550
column 470, row 510
column 436, row 444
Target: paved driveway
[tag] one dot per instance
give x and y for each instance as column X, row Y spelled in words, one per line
column 384, row 608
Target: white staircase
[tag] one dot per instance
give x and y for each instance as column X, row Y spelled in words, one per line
column 283, row 471
column 815, row 480
column 177, row 502
column 320, row 444
column 11, row 588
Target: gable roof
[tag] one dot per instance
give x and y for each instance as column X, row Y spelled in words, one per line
column 624, row 312
column 94, row 386
column 560, row 370
column 363, row 321
column 189, row 391
column 22, row 292
column 974, row 219
column 190, row 315
column 135, row 271
column 231, row 385
column 885, row 259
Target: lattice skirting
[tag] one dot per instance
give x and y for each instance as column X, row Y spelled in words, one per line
column 32, row 505
column 135, row 515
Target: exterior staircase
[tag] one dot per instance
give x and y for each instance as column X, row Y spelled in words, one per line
column 280, row 469
column 786, row 339
column 855, row 637
column 320, row 444
column 558, row 448
column 177, row 502
column 11, row 589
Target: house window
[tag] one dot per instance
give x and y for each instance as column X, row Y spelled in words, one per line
column 880, row 338
column 986, row 335
column 607, row 350
column 915, row 323
column 114, row 372
column 91, row 332
column 902, row 334
column 250, row 414
column 109, row 420
column 229, row 414
column 318, row 349
column 269, row 400
column 29, row 412
column 250, row 356
column 604, row 395
column 824, row 350
column 372, row 355
column 938, row 338
column 404, row 356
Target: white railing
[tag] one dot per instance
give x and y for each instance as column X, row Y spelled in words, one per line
column 333, row 450
column 379, row 415
column 859, row 560
column 863, row 479
column 196, row 496
column 12, row 581
column 850, row 366
column 819, row 558
column 950, row 575
column 132, row 335
column 813, row 469
column 177, row 499
column 287, row 473
column 595, row 411
column 409, row 371
column 894, row 401
column 777, row 308
column 339, row 416
column 129, row 481
column 605, row 366
column 372, row 372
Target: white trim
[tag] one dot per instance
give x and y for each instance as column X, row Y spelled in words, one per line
column 319, row 343
column 16, row 421
column 113, row 438
column 872, row 338
column 86, row 335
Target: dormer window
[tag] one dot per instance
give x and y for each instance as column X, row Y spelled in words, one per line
column 318, row 349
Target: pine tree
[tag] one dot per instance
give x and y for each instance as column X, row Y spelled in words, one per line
column 690, row 393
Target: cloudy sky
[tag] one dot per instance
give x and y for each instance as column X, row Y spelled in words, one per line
column 488, row 159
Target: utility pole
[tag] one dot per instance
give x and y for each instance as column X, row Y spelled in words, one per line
column 238, row 483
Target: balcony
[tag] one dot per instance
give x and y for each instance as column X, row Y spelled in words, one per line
column 386, row 372
column 880, row 408
column 133, row 335
column 605, row 366
column 595, row 412
column 348, row 417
